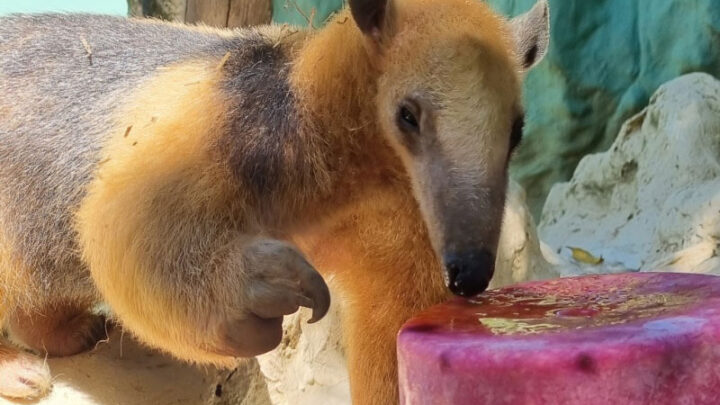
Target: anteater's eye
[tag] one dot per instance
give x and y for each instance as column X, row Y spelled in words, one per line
column 517, row 132
column 407, row 119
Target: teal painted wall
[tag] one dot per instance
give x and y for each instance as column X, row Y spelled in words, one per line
column 117, row 7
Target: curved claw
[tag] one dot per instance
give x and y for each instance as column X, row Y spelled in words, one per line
column 314, row 288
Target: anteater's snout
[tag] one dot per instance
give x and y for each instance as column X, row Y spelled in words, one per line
column 469, row 273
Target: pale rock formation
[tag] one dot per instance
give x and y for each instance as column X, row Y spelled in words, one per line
column 652, row 201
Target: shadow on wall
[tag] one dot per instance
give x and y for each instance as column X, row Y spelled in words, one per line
column 605, row 60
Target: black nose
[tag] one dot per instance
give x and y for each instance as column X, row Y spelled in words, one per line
column 469, row 273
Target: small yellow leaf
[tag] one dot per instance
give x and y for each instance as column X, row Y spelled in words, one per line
column 583, row 256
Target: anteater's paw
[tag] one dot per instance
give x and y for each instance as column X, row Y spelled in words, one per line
column 22, row 375
column 279, row 282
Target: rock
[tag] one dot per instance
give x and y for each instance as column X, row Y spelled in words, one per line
column 520, row 256
column 652, row 202
column 309, row 366
column 121, row 371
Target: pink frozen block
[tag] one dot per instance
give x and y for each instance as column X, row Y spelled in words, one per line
column 640, row 338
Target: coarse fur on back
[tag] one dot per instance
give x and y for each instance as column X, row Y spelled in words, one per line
column 51, row 86
column 194, row 179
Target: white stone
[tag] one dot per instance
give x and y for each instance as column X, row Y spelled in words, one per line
column 309, row 368
column 652, row 201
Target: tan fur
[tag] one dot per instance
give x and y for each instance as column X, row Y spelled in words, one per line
column 125, row 219
column 376, row 249
column 379, row 247
column 14, row 285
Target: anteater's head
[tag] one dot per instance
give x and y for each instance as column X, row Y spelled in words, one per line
column 450, row 105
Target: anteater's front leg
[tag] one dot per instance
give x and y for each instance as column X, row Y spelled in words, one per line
column 380, row 256
column 186, row 283
column 371, row 325
column 225, row 303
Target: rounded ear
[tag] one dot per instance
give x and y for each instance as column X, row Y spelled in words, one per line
column 370, row 15
column 531, row 32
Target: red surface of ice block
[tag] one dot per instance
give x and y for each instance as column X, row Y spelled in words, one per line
column 640, row 338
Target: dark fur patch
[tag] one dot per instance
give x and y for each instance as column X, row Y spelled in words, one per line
column 266, row 148
column 369, row 15
column 263, row 111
